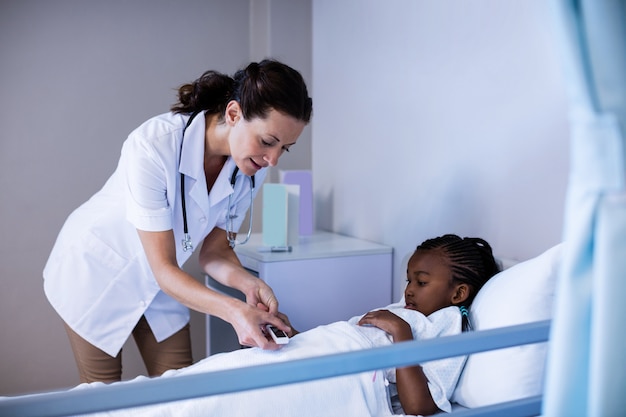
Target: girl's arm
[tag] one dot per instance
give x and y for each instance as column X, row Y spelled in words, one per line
column 411, row 382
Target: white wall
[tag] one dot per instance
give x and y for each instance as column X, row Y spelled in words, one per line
column 76, row 77
column 282, row 29
column 436, row 117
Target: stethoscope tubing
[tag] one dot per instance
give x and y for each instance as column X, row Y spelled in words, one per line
column 186, row 242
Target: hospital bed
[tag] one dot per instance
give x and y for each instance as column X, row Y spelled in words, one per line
column 502, row 376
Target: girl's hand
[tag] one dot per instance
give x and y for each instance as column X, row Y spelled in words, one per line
column 285, row 319
column 385, row 320
column 411, row 381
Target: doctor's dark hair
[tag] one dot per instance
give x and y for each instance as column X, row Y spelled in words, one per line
column 471, row 261
column 258, row 88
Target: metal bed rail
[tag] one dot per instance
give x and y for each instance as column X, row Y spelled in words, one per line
column 160, row 390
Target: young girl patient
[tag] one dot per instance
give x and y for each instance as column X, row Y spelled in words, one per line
column 443, row 276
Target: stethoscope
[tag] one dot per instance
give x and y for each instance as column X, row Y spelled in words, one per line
column 231, row 235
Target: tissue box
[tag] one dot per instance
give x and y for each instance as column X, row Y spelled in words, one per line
column 304, row 179
column 281, row 214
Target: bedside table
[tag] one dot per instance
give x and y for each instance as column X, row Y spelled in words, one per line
column 326, row 277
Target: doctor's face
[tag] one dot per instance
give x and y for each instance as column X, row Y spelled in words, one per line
column 429, row 282
column 258, row 143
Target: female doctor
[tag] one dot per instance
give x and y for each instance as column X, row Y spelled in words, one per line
column 185, row 179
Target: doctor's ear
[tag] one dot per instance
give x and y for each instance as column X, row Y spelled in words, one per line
column 233, row 113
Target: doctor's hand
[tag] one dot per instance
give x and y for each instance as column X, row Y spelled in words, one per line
column 249, row 322
column 261, row 293
column 292, row 332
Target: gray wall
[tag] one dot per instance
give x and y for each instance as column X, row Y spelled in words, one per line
column 441, row 116
column 76, row 77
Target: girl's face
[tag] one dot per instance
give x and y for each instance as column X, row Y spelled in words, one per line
column 429, row 282
column 258, row 143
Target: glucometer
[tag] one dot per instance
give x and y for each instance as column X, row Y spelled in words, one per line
column 275, row 249
column 278, row 335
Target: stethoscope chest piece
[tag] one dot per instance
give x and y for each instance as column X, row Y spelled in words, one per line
column 187, row 245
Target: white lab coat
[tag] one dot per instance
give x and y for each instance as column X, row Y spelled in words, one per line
column 97, row 277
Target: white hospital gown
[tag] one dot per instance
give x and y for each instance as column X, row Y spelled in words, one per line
column 442, row 374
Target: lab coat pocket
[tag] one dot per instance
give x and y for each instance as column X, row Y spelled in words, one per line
column 79, row 273
column 96, row 265
column 99, row 252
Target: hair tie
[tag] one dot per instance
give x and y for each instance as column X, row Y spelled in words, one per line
column 464, row 311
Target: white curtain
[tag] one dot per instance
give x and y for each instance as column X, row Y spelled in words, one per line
column 586, row 370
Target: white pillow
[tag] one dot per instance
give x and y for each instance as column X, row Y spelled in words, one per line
column 520, row 294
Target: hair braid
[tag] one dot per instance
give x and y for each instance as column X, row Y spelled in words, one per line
column 471, row 261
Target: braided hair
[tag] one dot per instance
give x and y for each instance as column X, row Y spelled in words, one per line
column 471, row 261
column 258, row 88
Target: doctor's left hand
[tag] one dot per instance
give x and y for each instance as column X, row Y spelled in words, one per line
column 261, row 293
column 248, row 322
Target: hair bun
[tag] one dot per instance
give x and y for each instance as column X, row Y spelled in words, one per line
column 258, row 88
column 253, row 69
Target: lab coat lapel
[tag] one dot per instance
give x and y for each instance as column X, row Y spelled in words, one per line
column 192, row 152
column 222, row 188
column 192, row 164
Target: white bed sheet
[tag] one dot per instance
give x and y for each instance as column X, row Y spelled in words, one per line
column 364, row 394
